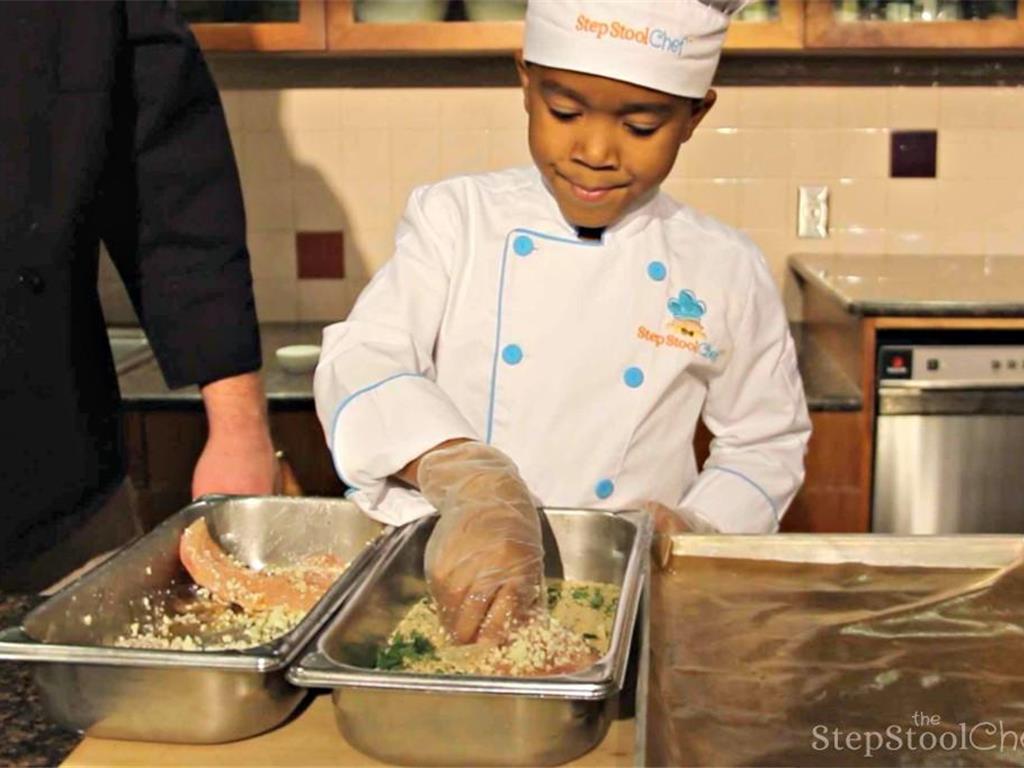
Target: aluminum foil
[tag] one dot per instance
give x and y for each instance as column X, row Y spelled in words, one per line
column 774, row 663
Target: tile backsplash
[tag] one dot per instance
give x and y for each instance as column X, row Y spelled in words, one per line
column 345, row 159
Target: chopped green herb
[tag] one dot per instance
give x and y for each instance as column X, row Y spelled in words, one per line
column 580, row 593
column 554, row 593
column 597, row 600
column 395, row 654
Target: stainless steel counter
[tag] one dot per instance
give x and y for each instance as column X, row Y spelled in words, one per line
column 143, row 386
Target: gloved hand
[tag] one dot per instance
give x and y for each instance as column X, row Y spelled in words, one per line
column 484, row 560
column 666, row 525
column 670, row 522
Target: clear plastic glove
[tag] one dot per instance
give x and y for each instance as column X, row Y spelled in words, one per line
column 484, row 560
column 670, row 522
column 666, row 525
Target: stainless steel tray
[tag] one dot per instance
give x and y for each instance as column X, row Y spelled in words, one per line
column 462, row 720
column 185, row 696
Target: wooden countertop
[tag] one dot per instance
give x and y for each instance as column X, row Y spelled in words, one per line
column 311, row 739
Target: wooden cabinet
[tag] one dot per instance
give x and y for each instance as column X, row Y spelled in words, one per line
column 490, row 27
column 162, row 447
column 832, row 499
column 833, row 494
column 428, row 27
column 840, row 461
column 348, row 33
column 915, row 24
column 257, row 25
column 767, row 24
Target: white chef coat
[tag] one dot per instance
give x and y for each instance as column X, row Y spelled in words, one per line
column 588, row 362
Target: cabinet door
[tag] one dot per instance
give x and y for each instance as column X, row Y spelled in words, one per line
column 418, row 27
column 256, row 25
column 767, row 25
column 834, row 489
column 162, row 447
column 392, row 27
column 923, row 24
column 831, row 498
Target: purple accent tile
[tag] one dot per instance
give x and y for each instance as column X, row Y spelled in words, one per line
column 913, row 154
column 321, row 255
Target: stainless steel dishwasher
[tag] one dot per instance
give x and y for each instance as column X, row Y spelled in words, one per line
column 949, row 436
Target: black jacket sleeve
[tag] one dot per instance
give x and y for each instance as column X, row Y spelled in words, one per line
column 173, row 218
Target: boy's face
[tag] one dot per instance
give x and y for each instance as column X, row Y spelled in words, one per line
column 601, row 143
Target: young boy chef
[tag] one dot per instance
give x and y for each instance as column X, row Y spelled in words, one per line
column 552, row 334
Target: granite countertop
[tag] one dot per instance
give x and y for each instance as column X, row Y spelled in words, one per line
column 946, row 286
column 27, row 735
column 143, row 385
column 826, row 386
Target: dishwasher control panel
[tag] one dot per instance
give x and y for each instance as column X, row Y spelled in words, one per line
column 927, row 365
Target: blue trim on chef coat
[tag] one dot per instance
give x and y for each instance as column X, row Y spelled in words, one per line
column 341, row 407
column 501, row 305
column 762, row 491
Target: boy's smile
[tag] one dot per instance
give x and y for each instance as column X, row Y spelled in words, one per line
column 603, row 144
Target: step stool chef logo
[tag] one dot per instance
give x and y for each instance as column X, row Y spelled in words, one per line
column 652, row 37
column 687, row 331
column 686, row 314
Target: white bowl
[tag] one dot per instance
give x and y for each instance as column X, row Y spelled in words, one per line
column 298, row 358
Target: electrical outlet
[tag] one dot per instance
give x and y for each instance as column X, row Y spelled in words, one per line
column 812, row 212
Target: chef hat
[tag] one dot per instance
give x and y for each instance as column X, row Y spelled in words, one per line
column 668, row 45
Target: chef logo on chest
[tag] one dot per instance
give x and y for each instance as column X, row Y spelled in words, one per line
column 683, row 330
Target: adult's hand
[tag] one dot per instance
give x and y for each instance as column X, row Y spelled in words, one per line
column 238, row 457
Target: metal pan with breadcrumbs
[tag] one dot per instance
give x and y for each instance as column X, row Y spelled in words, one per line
column 129, row 651
column 415, row 718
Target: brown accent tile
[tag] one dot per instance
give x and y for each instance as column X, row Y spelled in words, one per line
column 913, row 154
column 320, row 255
